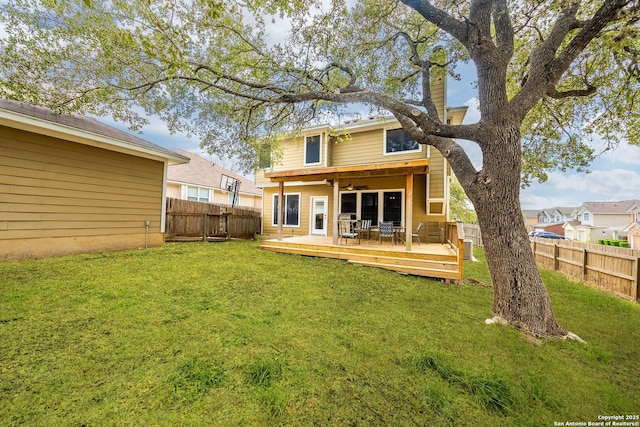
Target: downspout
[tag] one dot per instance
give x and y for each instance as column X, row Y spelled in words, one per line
column 163, row 215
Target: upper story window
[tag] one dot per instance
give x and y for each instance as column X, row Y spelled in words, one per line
column 586, row 217
column 398, row 141
column 198, row 194
column 312, row 150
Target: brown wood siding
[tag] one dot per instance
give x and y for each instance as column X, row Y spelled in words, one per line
column 55, row 188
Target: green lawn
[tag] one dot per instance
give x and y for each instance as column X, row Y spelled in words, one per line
column 227, row 334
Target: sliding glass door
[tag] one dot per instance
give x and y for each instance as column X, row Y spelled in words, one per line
column 367, row 205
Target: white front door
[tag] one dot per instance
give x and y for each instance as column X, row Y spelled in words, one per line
column 319, row 208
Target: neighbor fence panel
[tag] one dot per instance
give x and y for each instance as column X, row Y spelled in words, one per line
column 472, row 232
column 188, row 219
column 609, row 268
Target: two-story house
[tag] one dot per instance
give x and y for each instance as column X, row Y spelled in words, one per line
column 371, row 169
column 602, row 220
column 555, row 215
column 553, row 219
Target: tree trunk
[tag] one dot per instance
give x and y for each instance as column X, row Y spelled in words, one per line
column 520, row 296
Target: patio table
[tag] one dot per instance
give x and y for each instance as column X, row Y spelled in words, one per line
column 398, row 230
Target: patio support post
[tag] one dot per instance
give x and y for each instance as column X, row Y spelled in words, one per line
column 280, row 208
column 336, row 209
column 408, row 217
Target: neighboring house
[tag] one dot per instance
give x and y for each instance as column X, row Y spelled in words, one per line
column 553, row 219
column 633, row 234
column 556, row 215
column 369, row 168
column 633, row 229
column 602, row 220
column 203, row 181
column 530, row 217
column 70, row 184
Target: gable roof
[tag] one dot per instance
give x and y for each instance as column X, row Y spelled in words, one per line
column 610, row 208
column 80, row 129
column 202, row 172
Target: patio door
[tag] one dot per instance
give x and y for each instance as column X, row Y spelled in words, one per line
column 319, row 208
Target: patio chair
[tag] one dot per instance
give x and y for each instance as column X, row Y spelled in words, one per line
column 386, row 231
column 365, row 227
column 417, row 233
column 348, row 231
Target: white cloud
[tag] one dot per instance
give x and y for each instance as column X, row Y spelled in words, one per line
column 623, row 154
column 573, row 189
column 473, row 113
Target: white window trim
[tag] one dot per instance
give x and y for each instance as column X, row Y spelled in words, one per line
column 273, row 207
column 200, row 191
column 396, row 153
column 319, row 162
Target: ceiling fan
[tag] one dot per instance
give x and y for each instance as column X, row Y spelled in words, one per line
column 351, row 187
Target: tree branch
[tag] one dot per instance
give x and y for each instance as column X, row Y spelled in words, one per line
column 442, row 19
column 548, row 66
column 504, row 27
column 555, row 94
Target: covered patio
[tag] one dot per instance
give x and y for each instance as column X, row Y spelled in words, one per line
column 442, row 260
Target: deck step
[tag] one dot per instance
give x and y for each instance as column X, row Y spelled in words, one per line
column 388, row 258
column 419, row 267
column 358, row 250
column 416, row 271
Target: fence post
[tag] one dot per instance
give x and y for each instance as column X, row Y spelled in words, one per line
column 556, row 255
column 205, row 218
column 584, row 264
column 534, row 249
column 636, row 280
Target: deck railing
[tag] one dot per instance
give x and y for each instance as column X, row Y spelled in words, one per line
column 454, row 235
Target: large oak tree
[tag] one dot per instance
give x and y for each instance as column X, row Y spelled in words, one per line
column 550, row 74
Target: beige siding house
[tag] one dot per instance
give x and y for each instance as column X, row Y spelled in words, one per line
column 70, row 184
column 203, row 181
column 370, row 161
column 367, row 170
column 602, row 220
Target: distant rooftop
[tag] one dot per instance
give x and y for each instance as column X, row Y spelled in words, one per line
column 203, row 172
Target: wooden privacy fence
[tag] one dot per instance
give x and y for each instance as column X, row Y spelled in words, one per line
column 472, row 232
column 605, row 267
column 187, row 219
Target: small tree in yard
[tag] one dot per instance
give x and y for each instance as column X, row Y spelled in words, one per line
column 549, row 74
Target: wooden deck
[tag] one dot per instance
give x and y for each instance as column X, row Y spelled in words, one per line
column 430, row 260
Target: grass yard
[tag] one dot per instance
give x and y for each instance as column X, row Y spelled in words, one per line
column 226, row 334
